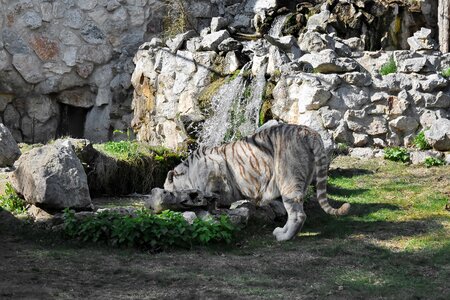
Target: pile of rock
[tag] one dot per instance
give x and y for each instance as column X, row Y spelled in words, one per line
column 322, row 81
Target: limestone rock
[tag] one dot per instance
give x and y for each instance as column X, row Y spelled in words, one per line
column 327, row 61
column 318, row 21
column 312, row 41
column 404, row 124
column 439, row 135
column 213, row 40
column 9, row 151
column 421, row 40
column 218, row 23
column 229, row 44
column 441, row 100
column 419, row 157
column 358, row 121
column 177, row 42
column 363, row 153
column 52, row 177
column 308, row 97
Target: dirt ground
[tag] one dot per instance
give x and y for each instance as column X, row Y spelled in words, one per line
column 345, row 258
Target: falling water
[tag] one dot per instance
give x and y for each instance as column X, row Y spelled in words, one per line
column 235, row 110
column 216, row 127
column 277, row 26
column 253, row 105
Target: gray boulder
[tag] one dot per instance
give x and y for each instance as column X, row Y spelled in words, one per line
column 9, row 151
column 160, row 200
column 439, row 135
column 52, row 177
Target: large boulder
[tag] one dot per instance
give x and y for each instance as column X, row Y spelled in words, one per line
column 9, row 151
column 439, row 134
column 52, row 177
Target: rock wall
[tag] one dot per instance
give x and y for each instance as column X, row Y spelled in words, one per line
column 318, row 79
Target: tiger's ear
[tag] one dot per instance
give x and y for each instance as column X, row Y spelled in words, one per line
column 170, row 176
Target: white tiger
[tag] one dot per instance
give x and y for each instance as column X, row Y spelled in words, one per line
column 279, row 160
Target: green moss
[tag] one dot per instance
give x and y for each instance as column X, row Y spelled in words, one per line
column 206, row 95
column 446, row 73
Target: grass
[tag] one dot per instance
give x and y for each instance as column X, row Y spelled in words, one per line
column 389, row 67
column 394, row 244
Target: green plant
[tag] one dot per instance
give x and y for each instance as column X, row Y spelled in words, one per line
column 11, row 201
column 147, row 230
column 396, row 154
column 420, row 141
column 433, row 162
column 176, row 19
column 126, row 148
column 446, row 73
column 389, row 67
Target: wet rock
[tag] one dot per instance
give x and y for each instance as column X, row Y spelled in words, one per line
column 9, row 151
column 439, row 135
column 231, row 63
column 52, row 177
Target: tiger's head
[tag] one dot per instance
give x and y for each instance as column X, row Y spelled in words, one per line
column 178, row 179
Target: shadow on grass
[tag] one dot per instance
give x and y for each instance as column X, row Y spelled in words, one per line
column 339, row 191
column 348, row 172
column 330, row 227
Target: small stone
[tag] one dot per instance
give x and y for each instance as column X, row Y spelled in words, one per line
column 92, row 34
column 177, row 42
column 229, row 44
column 218, row 23
column 32, row 20
column 363, row 153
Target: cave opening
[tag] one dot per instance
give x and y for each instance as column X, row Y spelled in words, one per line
column 72, row 120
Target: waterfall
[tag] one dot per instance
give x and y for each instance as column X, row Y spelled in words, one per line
column 277, row 25
column 235, row 109
column 216, row 127
column 253, row 105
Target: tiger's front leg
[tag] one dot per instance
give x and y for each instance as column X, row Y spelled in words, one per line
column 295, row 221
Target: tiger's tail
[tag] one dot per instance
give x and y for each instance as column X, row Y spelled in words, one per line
column 321, row 162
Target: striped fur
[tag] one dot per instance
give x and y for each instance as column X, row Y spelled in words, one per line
column 280, row 160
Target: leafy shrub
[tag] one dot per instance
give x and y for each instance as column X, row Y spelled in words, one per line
column 389, row 67
column 396, row 154
column 146, row 230
column 446, row 73
column 420, row 141
column 11, row 201
column 433, row 162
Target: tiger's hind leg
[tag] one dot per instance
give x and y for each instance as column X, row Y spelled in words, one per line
column 295, row 221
